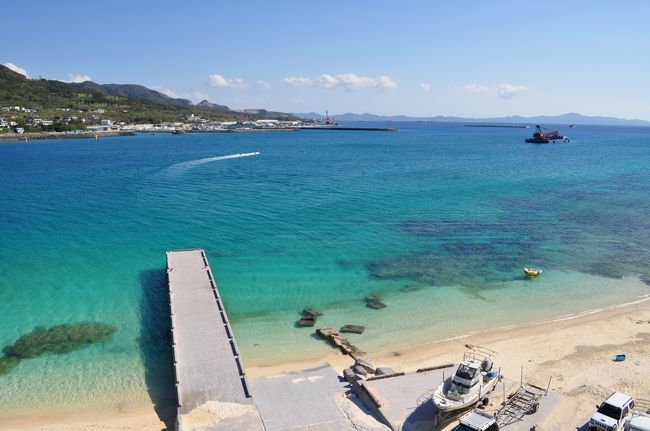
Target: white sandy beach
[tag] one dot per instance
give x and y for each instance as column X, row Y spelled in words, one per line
column 575, row 352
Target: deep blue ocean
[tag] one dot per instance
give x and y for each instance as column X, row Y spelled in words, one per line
column 437, row 219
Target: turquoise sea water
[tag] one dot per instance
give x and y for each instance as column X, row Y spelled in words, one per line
column 438, row 219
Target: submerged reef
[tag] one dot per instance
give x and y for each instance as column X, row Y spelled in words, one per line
column 598, row 227
column 474, row 268
column 7, row 364
column 58, row 339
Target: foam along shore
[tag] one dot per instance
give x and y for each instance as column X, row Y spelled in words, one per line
column 576, row 352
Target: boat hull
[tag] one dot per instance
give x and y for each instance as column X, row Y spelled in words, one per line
column 445, row 404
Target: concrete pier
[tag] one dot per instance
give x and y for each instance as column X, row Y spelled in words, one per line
column 213, row 392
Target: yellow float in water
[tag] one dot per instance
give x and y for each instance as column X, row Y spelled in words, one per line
column 532, row 272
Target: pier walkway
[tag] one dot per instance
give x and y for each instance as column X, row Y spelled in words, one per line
column 213, row 393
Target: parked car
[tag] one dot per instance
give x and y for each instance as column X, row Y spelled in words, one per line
column 477, row 421
column 612, row 413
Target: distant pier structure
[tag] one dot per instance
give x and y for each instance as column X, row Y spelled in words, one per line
column 213, row 392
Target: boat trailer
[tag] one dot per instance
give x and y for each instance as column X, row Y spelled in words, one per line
column 524, row 401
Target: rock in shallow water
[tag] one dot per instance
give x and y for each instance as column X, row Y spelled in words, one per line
column 355, row 329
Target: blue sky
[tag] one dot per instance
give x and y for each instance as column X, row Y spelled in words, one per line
column 468, row 58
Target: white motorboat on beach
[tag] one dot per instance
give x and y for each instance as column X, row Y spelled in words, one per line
column 470, row 384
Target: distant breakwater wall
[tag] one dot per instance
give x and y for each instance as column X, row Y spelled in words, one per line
column 56, row 135
column 284, row 129
column 360, row 129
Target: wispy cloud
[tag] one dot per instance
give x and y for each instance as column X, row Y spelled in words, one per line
column 350, row 80
column 75, row 77
column 343, row 80
column 504, row 91
column 425, row 87
column 197, row 96
column 298, row 81
column 165, row 91
column 473, row 89
column 508, row 91
column 263, row 85
column 216, row 80
column 17, row 69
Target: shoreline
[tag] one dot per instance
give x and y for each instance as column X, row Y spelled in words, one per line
column 574, row 351
column 397, row 331
column 335, row 358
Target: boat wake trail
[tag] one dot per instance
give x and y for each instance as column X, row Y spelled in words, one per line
column 184, row 166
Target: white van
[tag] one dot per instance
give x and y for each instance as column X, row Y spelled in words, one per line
column 638, row 423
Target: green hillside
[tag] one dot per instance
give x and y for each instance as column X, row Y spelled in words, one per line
column 129, row 103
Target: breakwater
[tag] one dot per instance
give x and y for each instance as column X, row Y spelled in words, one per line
column 503, row 126
column 245, row 130
column 58, row 135
column 363, row 129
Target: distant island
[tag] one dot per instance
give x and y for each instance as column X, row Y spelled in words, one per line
column 569, row 118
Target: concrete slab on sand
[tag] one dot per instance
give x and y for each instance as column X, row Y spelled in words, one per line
column 405, row 403
column 405, row 400
column 309, row 400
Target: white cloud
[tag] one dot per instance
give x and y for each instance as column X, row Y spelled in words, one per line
column 344, row 80
column 168, row 92
column 350, row 80
column 263, row 85
column 327, row 81
column 17, row 69
column 298, row 81
column 165, row 91
column 425, row 87
column 75, row 77
column 508, row 91
column 472, row 89
column 216, row 80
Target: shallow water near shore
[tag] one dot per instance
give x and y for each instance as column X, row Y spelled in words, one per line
column 437, row 219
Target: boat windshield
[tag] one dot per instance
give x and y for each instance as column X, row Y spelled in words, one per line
column 610, row 410
column 465, row 372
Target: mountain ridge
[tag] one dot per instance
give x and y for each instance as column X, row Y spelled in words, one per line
column 568, row 118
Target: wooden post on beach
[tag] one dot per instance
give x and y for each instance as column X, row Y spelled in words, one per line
column 549, row 385
column 504, row 393
column 521, row 380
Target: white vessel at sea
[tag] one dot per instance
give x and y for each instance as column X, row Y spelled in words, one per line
column 470, row 384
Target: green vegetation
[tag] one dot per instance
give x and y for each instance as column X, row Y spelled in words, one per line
column 57, row 339
column 128, row 103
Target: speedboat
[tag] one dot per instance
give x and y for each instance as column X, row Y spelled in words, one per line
column 471, row 382
column 533, row 272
